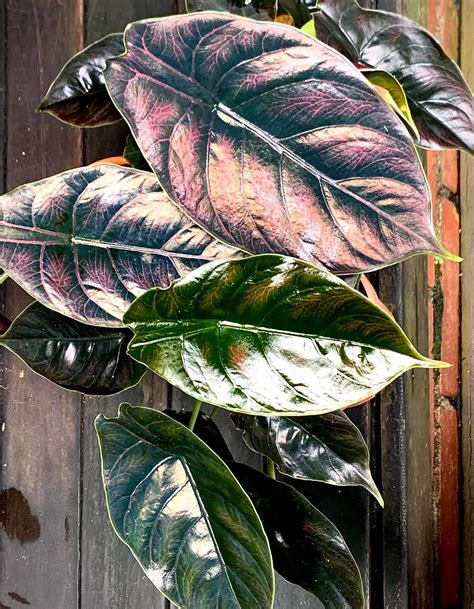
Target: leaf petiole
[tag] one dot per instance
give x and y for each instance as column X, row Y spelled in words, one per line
column 194, row 414
column 271, row 469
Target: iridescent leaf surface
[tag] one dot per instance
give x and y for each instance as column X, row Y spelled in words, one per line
column 327, row 448
column 185, row 517
column 88, row 241
column 255, row 9
column 272, row 141
column 307, row 548
column 269, row 335
column 439, row 97
column 78, row 95
column 71, row 354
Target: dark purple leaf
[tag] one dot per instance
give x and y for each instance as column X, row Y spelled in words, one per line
column 439, row 97
column 272, row 141
column 78, row 95
column 72, row 354
column 88, row 241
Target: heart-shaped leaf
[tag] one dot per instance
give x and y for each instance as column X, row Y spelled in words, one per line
column 178, row 507
column 439, row 97
column 269, row 335
column 255, row 9
column 272, row 141
column 88, row 241
column 327, row 448
column 78, row 95
column 75, row 356
column 307, row 548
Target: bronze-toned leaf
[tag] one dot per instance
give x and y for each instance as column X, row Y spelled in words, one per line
column 272, row 141
column 88, row 241
column 440, row 99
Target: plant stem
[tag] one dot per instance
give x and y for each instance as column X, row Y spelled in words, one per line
column 271, row 469
column 194, row 414
column 214, row 412
column 3, row 277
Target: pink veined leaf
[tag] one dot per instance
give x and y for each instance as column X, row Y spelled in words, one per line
column 272, row 141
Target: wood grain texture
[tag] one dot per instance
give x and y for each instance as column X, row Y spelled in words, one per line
column 41, row 435
column 467, row 313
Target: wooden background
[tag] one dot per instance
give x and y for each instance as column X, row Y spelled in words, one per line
column 58, row 550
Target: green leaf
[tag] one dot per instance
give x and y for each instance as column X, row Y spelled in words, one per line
column 392, row 92
column 269, row 335
column 185, row 517
column 308, row 550
column 78, row 95
column 327, row 448
column 309, row 28
column 133, row 155
column 71, row 354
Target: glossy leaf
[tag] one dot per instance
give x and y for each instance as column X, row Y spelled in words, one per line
column 133, row 155
column 75, row 356
column 393, row 94
column 255, row 9
column 188, row 522
column 307, row 548
column 272, row 141
column 327, row 448
column 88, row 241
column 269, row 335
column 78, row 95
column 439, row 97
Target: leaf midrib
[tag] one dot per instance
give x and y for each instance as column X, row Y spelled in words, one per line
column 210, row 323
column 276, row 145
column 71, row 240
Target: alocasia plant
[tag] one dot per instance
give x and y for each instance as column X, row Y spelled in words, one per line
column 247, row 137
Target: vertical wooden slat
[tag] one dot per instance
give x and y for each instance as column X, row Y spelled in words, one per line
column 110, row 576
column 467, row 252
column 40, row 439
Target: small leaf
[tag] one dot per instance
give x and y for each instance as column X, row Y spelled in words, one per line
column 327, row 448
column 307, row 548
column 75, row 356
column 133, row 155
column 78, row 95
column 269, row 335
column 255, row 9
column 392, row 92
column 309, row 28
column 273, row 142
column 178, row 507
column 88, row 241
column 439, row 97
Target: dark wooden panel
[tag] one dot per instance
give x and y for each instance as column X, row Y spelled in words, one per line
column 41, row 437
column 105, row 17
column 467, row 252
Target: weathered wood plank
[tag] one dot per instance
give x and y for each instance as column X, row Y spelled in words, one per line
column 467, row 252
column 41, row 436
column 110, row 576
